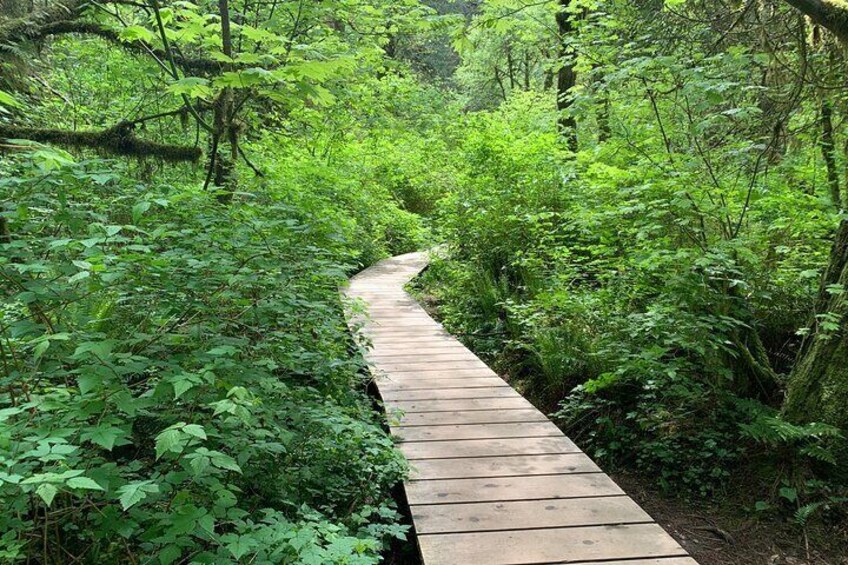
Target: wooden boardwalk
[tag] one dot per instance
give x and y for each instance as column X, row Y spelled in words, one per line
column 493, row 480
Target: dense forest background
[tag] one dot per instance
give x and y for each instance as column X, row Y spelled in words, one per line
column 641, row 207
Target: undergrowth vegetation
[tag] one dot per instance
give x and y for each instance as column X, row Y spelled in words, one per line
column 192, row 384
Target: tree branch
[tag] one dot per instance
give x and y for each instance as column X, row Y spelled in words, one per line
column 830, row 14
column 118, row 140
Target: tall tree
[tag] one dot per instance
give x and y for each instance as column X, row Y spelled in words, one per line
column 566, row 74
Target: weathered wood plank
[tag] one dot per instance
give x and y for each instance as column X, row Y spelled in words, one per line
column 491, row 489
column 417, row 320
column 472, row 417
column 391, row 344
column 655, row 561
column 375, row 333
column 431, row 366
column 487, row 447
column 464, row 404
column 389, row 383
column 592, row 543
column 476, row 431
column 387, row 352
column 505, row 466
column 441, row 373
column 449, row 357
column 450, row 393
column 526, row 514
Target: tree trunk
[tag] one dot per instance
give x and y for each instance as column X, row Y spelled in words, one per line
column 510, row 66
column 225, row 166
column 604, row 131
column 828, row 149
column 566, row 77
column 500, row 83
column 5, row 234
column 818, row 384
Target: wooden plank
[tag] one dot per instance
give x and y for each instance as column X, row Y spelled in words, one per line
column 374, row 294
column 441, row 373
column 376, row 333
column 450, row 393
column 399, row 314
column 472, row 417
column 492, row 489
column 400, row 302
column 655, row 561
column 429, row 359
column 486, row 447
column 592, row 543
column 387, row 352
column 397, row 324
column 477, row 431
column 410, row 326
column 506, row 466
column 407, row 345
column 388, row 383
column 526, row 514
column 413, row 318
column 434, row 366
column 464, row 404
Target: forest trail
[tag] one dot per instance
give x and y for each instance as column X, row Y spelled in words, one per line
column 493, row 480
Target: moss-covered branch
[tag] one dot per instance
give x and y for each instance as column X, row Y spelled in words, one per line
column 830, row 14
column 118, row 140
column 19, row 29
column 35, row 31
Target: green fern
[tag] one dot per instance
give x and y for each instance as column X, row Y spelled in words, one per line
column 804, row 513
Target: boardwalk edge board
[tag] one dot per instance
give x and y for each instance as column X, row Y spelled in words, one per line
column 493, row 481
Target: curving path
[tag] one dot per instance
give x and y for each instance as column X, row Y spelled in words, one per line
column 493, row 480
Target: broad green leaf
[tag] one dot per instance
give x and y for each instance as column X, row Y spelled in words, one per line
column 170, row 440
column 193, row 87
column 83, row 483
column 104, row 436
column 47, row 492
column 184, row 382
column 139, row 209
column 133, row 493
column 41, row 349
column 169, row 554
column 137, row 33
column 88, row 382
column 98, row 349
column 223, row 461
column 244, row 79
column 239, row 546
column 195, row 430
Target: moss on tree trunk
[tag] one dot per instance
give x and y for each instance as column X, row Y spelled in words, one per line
column 818, row 384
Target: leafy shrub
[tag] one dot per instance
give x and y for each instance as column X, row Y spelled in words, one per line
column 612, row 299
column 179, row 382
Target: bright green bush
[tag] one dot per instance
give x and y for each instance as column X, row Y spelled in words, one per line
column 179, row 382
column 580, row 278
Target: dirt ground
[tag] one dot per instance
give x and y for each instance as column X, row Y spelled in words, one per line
column 722, row 535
